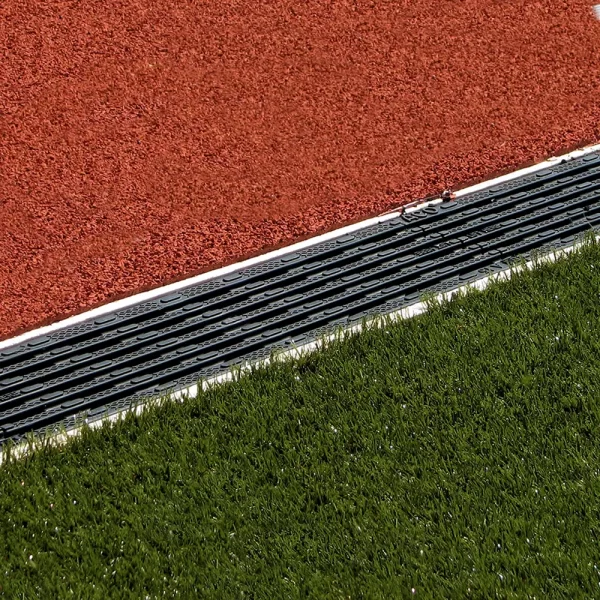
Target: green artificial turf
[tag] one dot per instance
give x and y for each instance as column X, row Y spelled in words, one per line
column 453, row 455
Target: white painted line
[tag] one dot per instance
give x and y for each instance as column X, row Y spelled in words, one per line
column 551, row 162
column 596, row 11
column 179, row 285
column 55, row 440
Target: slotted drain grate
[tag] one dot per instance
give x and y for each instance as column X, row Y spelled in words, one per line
column 102, row 365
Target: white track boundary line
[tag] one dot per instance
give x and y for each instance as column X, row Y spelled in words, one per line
column 551, row 162
column 29, row 446
column 180, row 285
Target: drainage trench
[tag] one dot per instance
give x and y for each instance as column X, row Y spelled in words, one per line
column 102, row 366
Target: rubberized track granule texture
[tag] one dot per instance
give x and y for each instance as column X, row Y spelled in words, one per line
column 99, row 367
column 142, row 142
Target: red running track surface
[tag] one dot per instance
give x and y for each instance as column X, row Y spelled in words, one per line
column 142, row 142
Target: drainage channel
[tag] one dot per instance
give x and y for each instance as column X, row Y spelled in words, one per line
column 102, row 366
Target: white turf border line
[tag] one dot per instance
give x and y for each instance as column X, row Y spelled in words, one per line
column 28, row 446
column 177, row 286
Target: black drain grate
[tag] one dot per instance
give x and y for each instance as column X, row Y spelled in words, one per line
column 102, row 365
